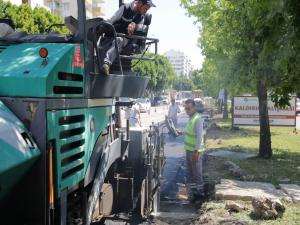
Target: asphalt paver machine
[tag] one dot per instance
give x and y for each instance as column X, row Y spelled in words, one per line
column 64, row 158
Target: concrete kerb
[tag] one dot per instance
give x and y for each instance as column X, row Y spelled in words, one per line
column 247, row 191
column 292, row 190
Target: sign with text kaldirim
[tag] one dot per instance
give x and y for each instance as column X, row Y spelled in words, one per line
column 246, row 112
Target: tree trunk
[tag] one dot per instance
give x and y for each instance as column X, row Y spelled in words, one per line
column 225, row 111
column 265, row 150
column 219, row 102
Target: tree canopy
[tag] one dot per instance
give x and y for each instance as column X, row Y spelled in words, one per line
column 160, row 71
column 36, row 20
column 183, row 83
column 247, row 41
column 251, row 46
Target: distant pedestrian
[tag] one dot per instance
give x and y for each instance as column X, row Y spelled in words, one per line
column 193, row 145
column 135, row 116
column 173, row 111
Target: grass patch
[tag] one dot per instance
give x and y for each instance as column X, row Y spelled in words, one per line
column 285, row 162
column 216, row 213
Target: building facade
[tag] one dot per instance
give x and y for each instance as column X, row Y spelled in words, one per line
column 180, row 63
column 65, row 8
column 33, row 3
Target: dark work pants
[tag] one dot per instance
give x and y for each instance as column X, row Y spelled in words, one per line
column 174, row 120
column 194, row 174
column 111, row 53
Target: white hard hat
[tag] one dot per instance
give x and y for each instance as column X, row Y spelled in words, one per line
column 5, row 30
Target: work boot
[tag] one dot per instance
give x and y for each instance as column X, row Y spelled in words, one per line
column 197, row 197
column 105, row 69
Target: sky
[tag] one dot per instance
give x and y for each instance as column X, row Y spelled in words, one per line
column 171, row 26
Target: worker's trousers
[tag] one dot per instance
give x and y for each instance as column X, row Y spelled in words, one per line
column 194, row 174
column 111, row 54
column 174, row 120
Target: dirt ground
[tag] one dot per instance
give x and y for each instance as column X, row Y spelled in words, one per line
column 213, row 212
column 207, row 213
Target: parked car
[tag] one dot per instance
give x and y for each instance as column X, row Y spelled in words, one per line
column 178, row 102
column 199, row 105
column 156, row 101
column 144, row 104
column 165, row 100
column 206, row 119
column 298, row 105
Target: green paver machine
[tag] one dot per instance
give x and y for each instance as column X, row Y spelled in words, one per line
column 64, row 159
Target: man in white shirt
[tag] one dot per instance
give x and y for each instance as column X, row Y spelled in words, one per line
column 134, row 116
column 173, row 111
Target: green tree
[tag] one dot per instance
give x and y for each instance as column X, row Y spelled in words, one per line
column 33, row 21
column 197, row 79
column 207, row 79
column 160, row 71
column 183, row 83
column 253, row 45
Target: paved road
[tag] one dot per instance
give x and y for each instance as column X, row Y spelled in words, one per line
column 174, row 170
column 157, row 114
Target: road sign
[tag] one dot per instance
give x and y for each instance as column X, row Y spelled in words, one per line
column 245, row 112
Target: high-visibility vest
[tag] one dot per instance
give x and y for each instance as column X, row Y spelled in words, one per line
column 190, row 138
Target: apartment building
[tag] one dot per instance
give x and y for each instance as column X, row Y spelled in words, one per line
column 180, row 62
column 65, row 8
column 33, row 3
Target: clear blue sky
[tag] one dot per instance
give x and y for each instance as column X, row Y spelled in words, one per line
column 171, row 26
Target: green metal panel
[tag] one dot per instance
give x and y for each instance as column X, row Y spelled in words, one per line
column 15, row 156
column 74, row 149
column 22, row 72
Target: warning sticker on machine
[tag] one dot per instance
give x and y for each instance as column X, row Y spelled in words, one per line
column 77, row 59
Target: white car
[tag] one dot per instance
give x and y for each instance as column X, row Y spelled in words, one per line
column 165, row 100
column 144, row 104
column 298, row 105
column 200, row 104
column 178, row 102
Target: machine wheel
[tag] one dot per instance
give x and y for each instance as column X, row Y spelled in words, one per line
column 104, row 204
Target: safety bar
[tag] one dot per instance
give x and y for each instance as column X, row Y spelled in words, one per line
column 136, row 57
column 153, row 40
column 55, row 25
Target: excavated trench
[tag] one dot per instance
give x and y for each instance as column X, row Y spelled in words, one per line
column 175, row 207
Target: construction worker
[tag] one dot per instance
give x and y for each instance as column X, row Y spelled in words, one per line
column 193, row 136
column 126, row 20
